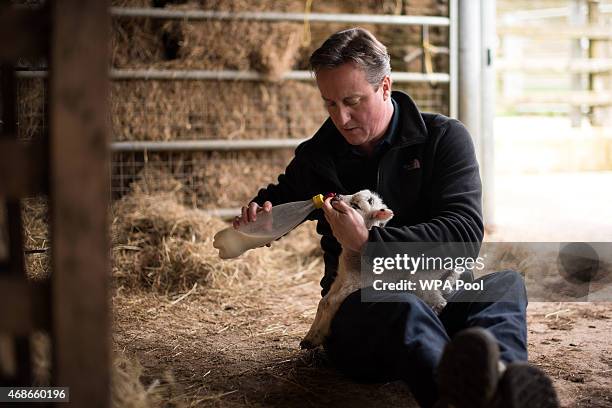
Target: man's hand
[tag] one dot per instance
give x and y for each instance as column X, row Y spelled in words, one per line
column 347, row 225
column 249, row 214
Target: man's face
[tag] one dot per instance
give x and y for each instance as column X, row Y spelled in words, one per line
column 360, row 112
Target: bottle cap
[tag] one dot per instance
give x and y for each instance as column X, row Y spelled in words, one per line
column 318, row 200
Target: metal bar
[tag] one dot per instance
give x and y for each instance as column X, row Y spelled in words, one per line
column 79, row 130
column 487, row 138
column 454, row 59
column 277, row 16
column 254, row 76
column 155, row 74
column 225, row 213
column 469, row 70
column 420, row 77
column 194, row 145
column 31, row 74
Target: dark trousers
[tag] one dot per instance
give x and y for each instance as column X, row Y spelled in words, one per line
column 404, row 339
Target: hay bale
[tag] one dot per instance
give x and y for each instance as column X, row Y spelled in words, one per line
column 135, row 43
column 35, row 224
column 130, row 388
column 269, row 48
column 399, row 40
column 428, row 97
column 31, row 106
column 40, row 346
column 193, row 110
column 232, row 179
column 131, row 3
column 138, row 42
column 207, row 179
column 161, row 245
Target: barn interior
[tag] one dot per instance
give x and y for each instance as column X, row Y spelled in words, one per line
column 204, row 102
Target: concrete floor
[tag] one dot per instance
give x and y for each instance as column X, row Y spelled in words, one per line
column 554, row 207
column 534, row 199
column 552, row 182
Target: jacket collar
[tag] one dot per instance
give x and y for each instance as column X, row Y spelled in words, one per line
column 412, row 126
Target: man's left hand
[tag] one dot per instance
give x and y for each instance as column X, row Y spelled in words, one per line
column 347, row 225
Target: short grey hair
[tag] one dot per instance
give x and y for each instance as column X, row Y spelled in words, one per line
column 356, row 45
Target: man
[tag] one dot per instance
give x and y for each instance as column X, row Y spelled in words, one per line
column 424, row 168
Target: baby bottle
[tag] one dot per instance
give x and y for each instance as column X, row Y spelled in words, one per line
column 269, row 226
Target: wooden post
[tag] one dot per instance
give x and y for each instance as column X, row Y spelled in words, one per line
column 577, row 18
column 79, row 198
column 598, row 115
column 19, row 345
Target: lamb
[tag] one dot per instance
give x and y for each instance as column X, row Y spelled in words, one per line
column 375, row 213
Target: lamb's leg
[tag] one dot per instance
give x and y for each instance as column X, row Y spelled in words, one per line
column 434, row 299
column 328, row 306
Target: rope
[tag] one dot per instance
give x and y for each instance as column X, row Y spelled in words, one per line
column 398, row 6
column 307, row 36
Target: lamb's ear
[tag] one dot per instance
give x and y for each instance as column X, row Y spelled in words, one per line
column 382, row 215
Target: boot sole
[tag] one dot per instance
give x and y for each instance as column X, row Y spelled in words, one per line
column 525, row 386
column 468, row 370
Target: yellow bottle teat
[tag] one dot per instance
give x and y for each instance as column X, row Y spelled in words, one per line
column 318, row 200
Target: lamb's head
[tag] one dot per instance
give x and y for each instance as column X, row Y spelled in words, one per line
column 370, row 206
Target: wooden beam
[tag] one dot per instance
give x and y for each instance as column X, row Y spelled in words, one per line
column 557, row 66
column 79, row 199
column 572, row 98
column 15, row 264
column 24, row 306
column 23, row 169
column 27, row 29
column 560, row 32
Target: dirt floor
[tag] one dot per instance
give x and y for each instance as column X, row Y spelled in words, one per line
column 254, row 360
column 213, row 347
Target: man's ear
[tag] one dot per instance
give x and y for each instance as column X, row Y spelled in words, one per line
column 386, row 87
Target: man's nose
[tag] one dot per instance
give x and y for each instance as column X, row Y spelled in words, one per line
column 343, row 115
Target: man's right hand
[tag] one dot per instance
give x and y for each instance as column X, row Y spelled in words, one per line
column 249, row 214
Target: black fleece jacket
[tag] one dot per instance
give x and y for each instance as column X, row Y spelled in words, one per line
column 428, row 176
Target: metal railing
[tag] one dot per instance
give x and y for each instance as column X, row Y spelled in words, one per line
column 204, row 145
column 278, row 16
column 197, row 74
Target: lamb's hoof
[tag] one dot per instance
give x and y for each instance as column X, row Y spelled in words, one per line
column 307, row 344
column 438, row 308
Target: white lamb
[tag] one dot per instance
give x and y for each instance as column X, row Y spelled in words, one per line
column 375, row 213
